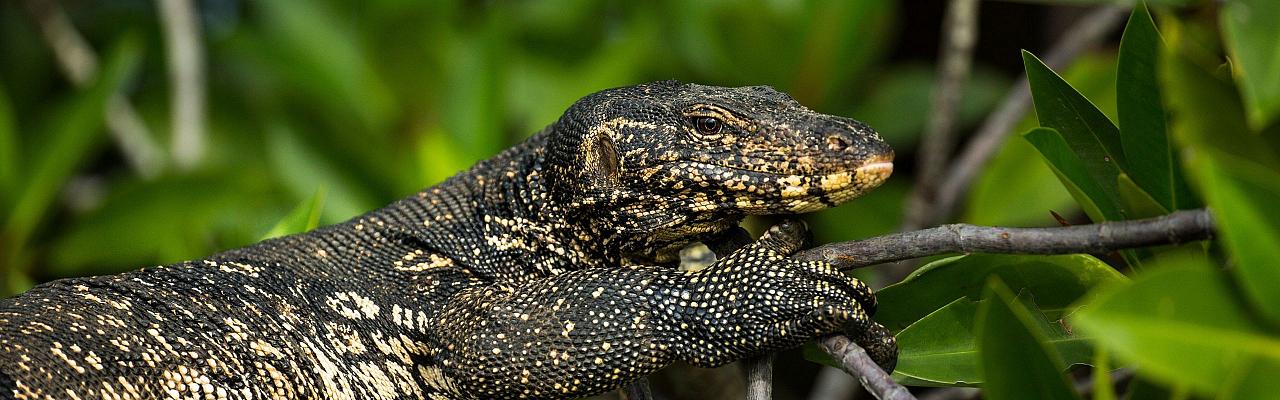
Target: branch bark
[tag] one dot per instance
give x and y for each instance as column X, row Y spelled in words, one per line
column 1177, row 227
column 759, row 372
column 638, row 390
column 186, row 71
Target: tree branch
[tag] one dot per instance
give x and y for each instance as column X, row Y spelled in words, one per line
column 186, row 71
column 759, row 373
column 1177, row 227
column 960, row 32
column 638, row 390
column 856, row 362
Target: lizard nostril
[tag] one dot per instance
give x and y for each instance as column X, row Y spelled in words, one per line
column 837, row 142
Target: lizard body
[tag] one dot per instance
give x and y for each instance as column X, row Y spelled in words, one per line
column 543, row 272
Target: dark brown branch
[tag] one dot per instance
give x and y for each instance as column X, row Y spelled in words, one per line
column 759, row 373
column 856, row 362
column 638, row 390
column 1178, row 227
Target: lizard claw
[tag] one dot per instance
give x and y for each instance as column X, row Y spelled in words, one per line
column 786, row 237
column 772, row 301
column 879, row 344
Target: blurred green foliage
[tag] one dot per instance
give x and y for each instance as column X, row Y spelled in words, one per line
column 375, row 100
column 322, row 110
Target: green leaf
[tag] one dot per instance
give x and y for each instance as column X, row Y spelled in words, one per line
column 1185, row 325
column 1088, row 132
column 1015, row 358
column 1206, row 112
column 1018, row 172
column 1144, row 137
column 1243, row 196
column 15, row 282
column 68, row 139
column 171, row 219
column 1250, row 31
column 1138, row 201
column 941, row 348
column 304, row 217
column 1055, row 281
column 1102, row 385
column 1073, row 174
column 304, row 170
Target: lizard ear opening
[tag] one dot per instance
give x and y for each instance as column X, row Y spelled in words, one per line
column 601, row 160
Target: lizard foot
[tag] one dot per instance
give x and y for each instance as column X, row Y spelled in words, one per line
column 758, row 299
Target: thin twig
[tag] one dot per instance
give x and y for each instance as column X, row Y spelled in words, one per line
column 1087, row 33
column 856, row 362
column 960, row 32
column 832, row 384
column 186, row 71
column 638, row 390
column 759, row 372
column 79, row 63
column 952, row 393
column 1177, row 227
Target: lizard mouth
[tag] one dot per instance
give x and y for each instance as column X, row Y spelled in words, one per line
column 833, row 189
column 753, row 191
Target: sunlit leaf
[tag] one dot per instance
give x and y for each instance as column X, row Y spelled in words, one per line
column 1102, row 383
column 475, row 84
column 304, row 171
column 1016, row 359
column 1206, row 112
column 1250, row 31
column 1243, row 196
column 1185, row 324
column 304, row 217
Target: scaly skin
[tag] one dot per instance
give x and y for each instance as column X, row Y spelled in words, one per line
column 544, row 272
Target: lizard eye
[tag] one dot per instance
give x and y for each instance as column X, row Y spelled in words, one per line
column 708, row 125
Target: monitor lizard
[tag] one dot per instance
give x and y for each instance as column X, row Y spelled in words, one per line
column 546, row 271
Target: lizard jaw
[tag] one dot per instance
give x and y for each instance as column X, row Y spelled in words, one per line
column 837, row 188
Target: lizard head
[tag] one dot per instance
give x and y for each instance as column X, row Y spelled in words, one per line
column 671, row 161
